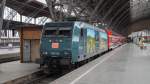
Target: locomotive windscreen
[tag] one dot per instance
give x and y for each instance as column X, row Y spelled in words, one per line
column 50, row 32
column 58, row 32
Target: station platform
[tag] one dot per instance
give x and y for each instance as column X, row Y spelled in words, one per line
column 127, row 64
column 7, row 55
column 11, row 71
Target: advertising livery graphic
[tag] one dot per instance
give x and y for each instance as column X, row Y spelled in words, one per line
column 90, row 41
column 103, row 40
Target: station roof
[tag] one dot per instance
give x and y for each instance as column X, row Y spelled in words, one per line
column 115, row 13
column 27, row 7
column 15, row 24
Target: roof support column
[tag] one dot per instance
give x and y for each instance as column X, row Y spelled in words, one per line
column 96, row 9
column 50, row 4
column 2, row 7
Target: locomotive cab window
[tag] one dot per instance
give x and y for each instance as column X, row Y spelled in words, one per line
column 58, row 32
column 64, row 32
column 50, row 32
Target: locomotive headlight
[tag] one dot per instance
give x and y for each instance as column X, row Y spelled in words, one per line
column 60, row 41
column 45, row 53
column 55, row 53
column 66, row 53
column 50, row 41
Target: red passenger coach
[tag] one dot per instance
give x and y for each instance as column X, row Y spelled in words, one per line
column 114, row 39
column 109, row 33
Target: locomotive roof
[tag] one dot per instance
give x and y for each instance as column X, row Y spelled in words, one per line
column 70, row 23
column 59, row 24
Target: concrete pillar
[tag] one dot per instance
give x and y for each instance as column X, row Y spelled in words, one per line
column 2, row 7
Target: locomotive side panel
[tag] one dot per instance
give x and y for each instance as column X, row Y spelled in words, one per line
column 92, row 41
column 75, row 44
column 103, row 42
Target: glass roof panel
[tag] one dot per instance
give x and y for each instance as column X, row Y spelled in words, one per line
column 42, row 1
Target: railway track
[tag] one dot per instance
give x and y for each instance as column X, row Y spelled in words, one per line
column 41, row 78
column 9, row 57
column 44, row 78
column 37, row 80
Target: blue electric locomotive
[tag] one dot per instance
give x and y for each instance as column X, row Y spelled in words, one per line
column 68, row 43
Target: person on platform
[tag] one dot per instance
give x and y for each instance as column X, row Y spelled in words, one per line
column 141, row 43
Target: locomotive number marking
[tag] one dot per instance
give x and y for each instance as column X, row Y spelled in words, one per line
column 55, row 45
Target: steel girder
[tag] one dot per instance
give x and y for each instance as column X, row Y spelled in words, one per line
column 2, row 6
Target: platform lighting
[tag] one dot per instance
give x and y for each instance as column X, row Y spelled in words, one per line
column 96, row 24
column 103, row 24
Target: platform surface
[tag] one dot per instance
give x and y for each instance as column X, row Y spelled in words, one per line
column 127, row 64
column 13, row 70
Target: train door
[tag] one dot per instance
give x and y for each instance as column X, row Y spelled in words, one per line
column 26, row 49
column 81, row 44
column 75, row 44
column 97, row 41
